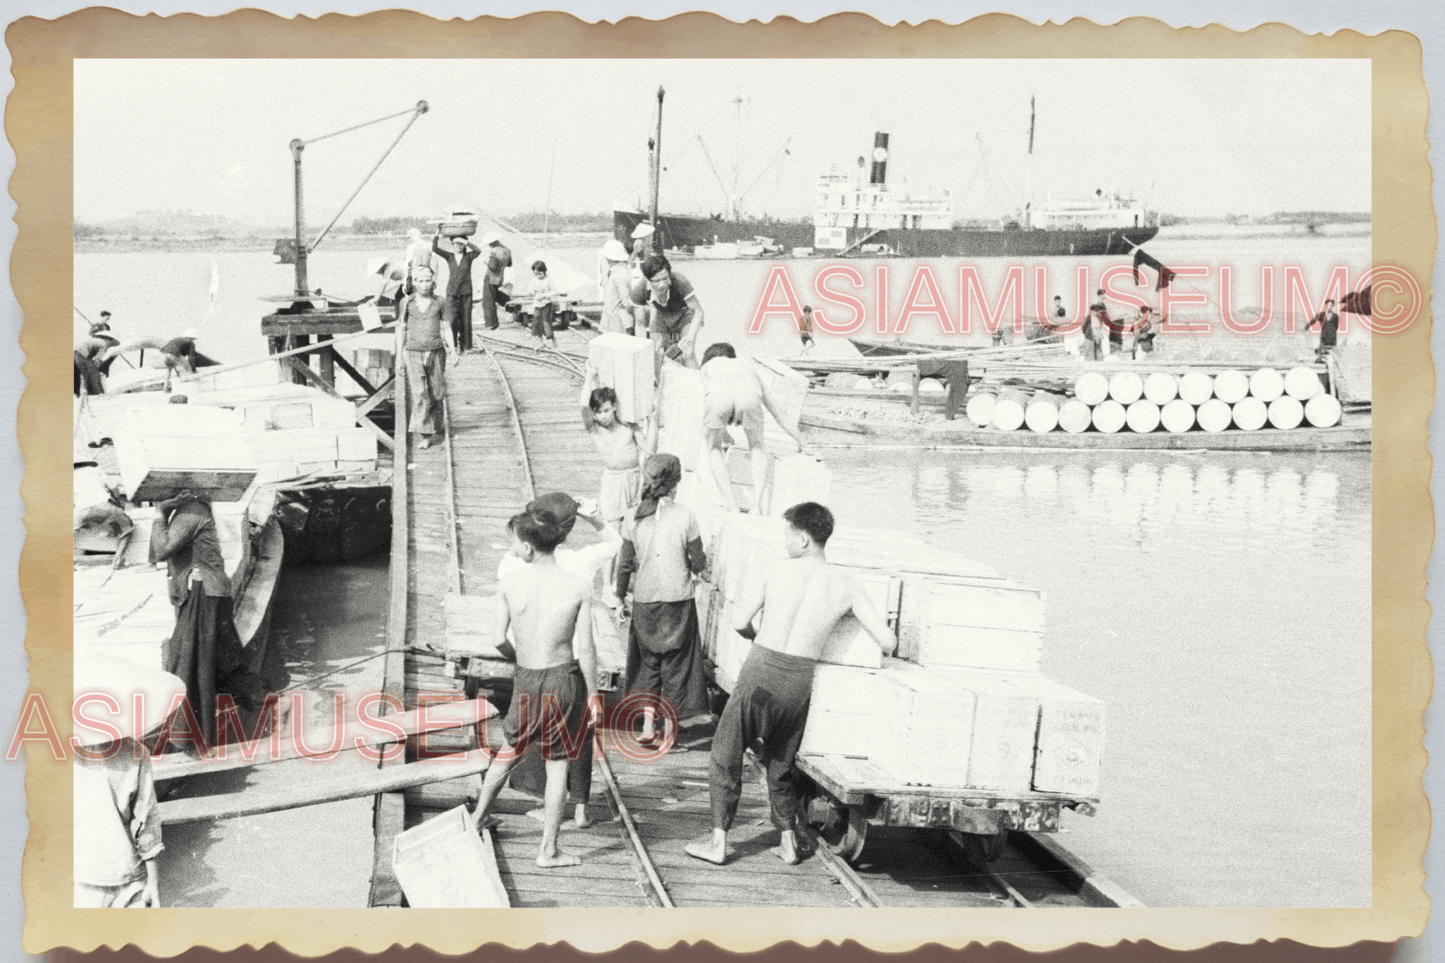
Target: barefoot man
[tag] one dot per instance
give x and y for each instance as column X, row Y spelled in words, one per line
column 587, row 563
column 550, row 614
column 801, row 600
column 735, row 395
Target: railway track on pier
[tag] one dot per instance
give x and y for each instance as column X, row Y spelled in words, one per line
column 513, row 431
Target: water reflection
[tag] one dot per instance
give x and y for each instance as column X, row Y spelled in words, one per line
column 1135, row 503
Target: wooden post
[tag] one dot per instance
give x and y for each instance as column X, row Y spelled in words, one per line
column 326, row 361
column 297, row 341
column 957, row 374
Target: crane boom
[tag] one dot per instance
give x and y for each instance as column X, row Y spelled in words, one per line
column 766, row 167
column 713, row 167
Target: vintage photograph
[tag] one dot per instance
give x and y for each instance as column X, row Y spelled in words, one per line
column 723, row 483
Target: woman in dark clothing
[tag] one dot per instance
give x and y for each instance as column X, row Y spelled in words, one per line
column 661, row 552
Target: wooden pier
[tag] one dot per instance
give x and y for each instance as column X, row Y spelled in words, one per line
column 514, row 430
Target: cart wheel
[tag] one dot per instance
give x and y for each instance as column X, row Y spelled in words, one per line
column 844, row 831
column 983, row 849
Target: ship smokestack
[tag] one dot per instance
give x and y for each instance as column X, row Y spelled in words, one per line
column 879, row 174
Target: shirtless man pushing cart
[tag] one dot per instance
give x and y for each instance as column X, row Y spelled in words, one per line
column 802, row 600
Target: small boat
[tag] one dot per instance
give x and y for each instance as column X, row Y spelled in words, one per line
column 332, row 481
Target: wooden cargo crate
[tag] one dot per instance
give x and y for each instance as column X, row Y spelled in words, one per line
column 308, row 445
column 184, row 448
column 355, row 444
column 1005, row 723
column 850, row 643
column 746, row 547
column 924, row 734
column 680, row 414
column 795, row 479
column 788, row 388
column 625, row 364
column 900, row 553
column 704, row 496
column 1070, row 744
column 730, row 648
column 842, row 715
column 971, row 623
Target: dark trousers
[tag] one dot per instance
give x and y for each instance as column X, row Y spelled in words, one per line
column 461, row 315
column 491, row 297
column 205, row 653
column 555, row 698
column 87, row 375
column 769, row 702
column 542, row 321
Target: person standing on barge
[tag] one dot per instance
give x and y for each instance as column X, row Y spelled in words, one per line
column 1144, row 332
column 549, row 612
column 661, row 552
column 1329, row 323
column 801, row 600
column 204, row 650
column 427, row 343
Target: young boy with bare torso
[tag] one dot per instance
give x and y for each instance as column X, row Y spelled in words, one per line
column 801, row 599
column 623, row 447
column 549, row 613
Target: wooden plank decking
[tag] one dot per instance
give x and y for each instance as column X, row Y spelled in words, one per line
column 451, row 506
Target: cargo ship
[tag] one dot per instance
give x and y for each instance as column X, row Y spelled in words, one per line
column 852, row 216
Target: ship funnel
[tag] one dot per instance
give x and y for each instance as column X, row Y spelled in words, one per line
column 879, row 174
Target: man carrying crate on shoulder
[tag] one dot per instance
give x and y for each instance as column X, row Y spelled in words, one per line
column 802, row 600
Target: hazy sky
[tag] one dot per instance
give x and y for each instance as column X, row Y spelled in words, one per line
column 1188, row 136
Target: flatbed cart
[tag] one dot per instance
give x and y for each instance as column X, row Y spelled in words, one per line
column 844, row 795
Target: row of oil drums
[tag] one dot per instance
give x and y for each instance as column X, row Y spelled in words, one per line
column 1129, row 401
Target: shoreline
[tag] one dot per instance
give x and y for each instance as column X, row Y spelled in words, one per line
column 258, row 243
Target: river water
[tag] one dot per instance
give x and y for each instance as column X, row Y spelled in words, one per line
column 1219, row 603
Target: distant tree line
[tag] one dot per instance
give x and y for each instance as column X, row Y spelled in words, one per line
column 531, row 222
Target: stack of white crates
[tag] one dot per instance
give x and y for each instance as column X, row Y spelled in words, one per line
column 297, row 431
column 740, row 554
column 964, row 705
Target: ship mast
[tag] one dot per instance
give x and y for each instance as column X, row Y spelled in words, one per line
column 733, row 199
column 655, row 149
column 1029, row 171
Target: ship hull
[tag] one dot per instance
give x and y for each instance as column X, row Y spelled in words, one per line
column 686, row 233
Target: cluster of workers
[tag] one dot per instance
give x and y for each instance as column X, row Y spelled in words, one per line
column 645, row 568
column 98, row 351
column 547, row 592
